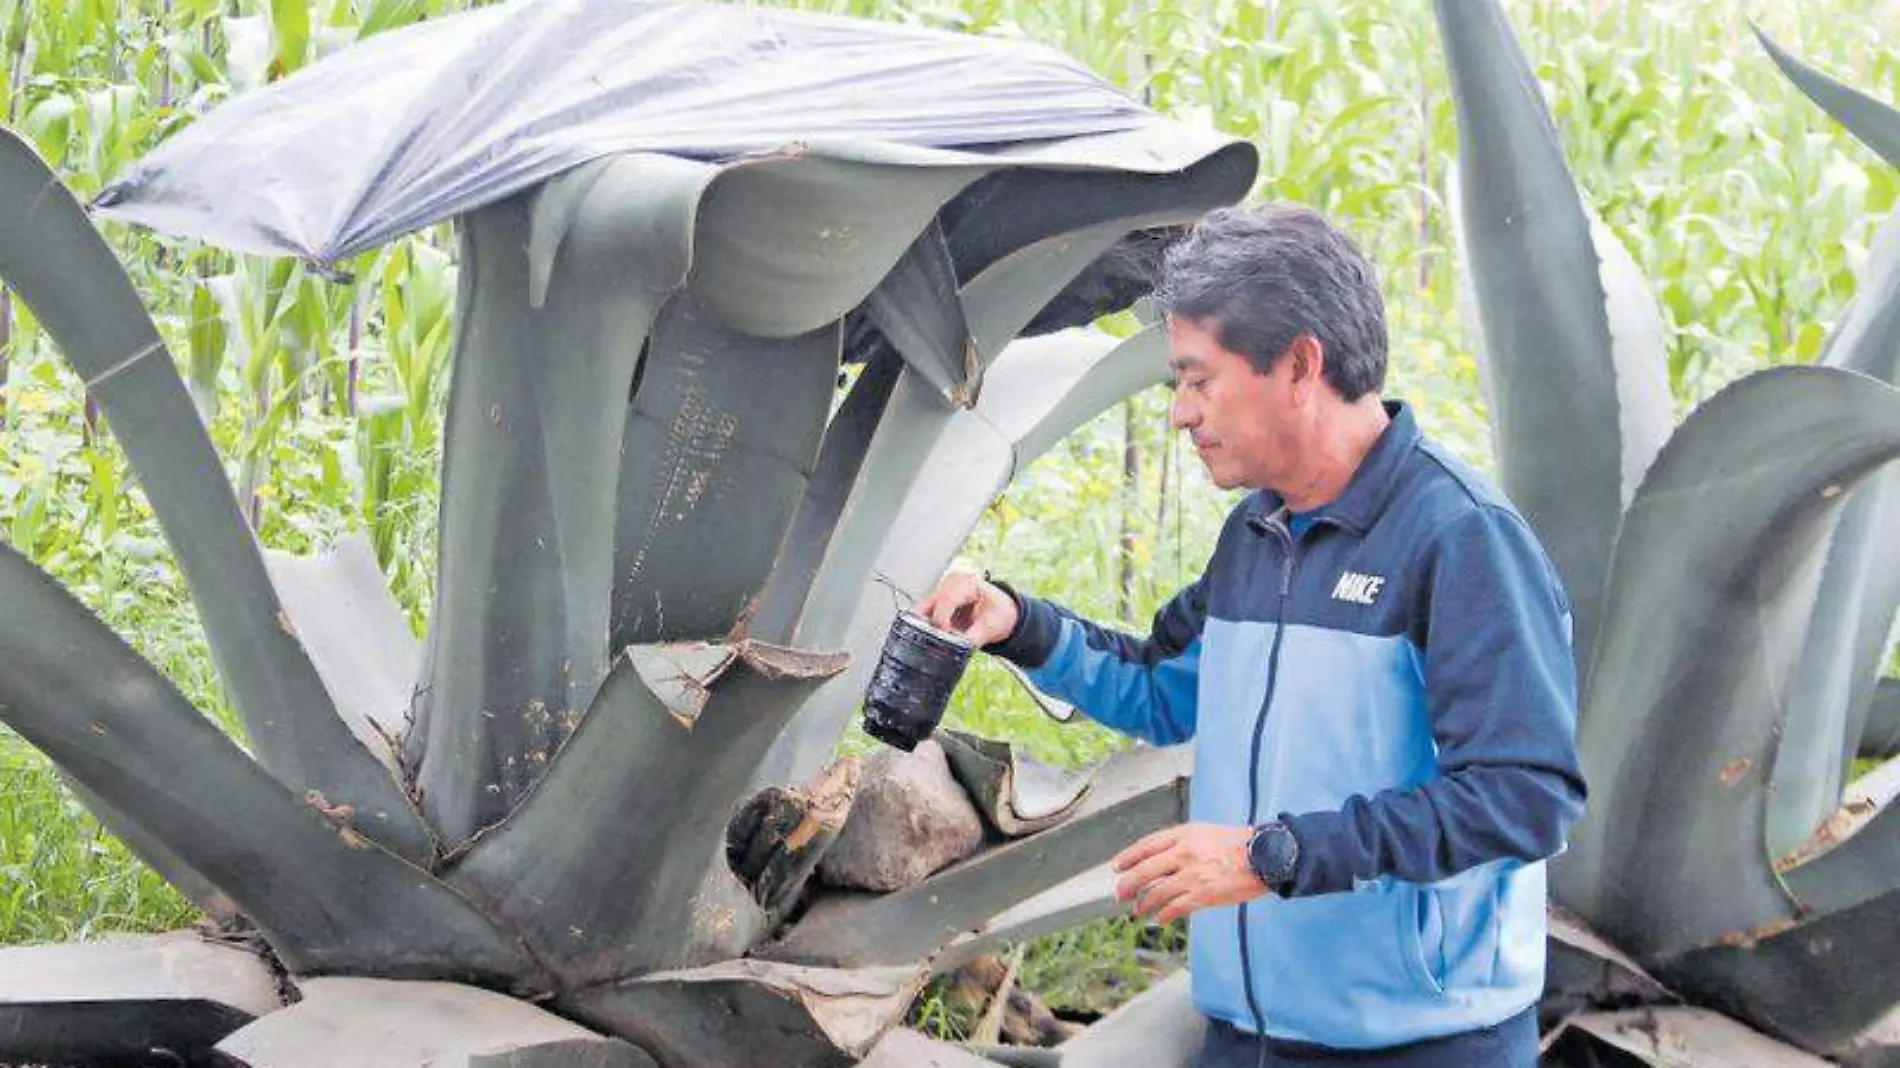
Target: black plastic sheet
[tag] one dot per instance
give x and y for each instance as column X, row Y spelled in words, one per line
column 416, row 126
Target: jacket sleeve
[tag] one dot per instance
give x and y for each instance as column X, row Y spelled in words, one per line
column 1500, row 686
column 1139, row 686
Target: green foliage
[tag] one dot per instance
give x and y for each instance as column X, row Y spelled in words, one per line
column 1750, row 216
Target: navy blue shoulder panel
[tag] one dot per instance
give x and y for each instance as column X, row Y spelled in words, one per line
column 1341, row 579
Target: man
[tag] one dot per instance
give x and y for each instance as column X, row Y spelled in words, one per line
column 1375, row 666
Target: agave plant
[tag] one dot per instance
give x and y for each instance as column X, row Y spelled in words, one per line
column 1734, row 606
column 659, row 538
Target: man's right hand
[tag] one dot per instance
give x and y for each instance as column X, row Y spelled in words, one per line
column 966, row 605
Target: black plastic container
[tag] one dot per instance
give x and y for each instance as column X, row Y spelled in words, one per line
column 910, row 688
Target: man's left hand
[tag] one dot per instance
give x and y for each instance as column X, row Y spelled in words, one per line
column 1192, row 866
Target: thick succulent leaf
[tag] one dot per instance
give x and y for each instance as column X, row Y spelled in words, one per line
column 1704, row 618
column 1000, row 298
column 917, row 308
column 847, row 442
column 1016, row 794
column 597, row 906
column 1039, row 392
column 1158, row 1029
column 789, row 244
column 156, row 855
column 377, row 1023
column 721, row 440
column 1140, row 791
column 1690, row 1038
column 1085, row 897
column 752, row 1012
column 1832, row 687
column 1571, row 357
column 904, row 1048
column 120, row 999
column 1584, row 971
column 51, row 256
column 537, row 409
column 339, row 604
column 328, row 898
column 1880, row 739
column 1873, row 123
column 1853, row 858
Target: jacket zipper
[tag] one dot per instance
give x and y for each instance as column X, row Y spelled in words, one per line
column 1277, row 524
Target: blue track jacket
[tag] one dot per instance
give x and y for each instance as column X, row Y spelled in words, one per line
column 1396, row 683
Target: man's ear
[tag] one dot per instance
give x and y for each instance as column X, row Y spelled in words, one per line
column 1309, row 361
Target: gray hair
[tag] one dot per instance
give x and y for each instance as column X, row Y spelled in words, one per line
column 1261, row 276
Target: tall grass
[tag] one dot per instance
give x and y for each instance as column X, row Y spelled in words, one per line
column 1748, row 211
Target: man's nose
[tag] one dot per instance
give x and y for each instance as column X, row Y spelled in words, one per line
column 1182, row 413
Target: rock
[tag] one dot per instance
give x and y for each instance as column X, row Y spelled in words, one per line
column 910, row 818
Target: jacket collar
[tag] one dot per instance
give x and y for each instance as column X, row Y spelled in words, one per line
column 1371, row 485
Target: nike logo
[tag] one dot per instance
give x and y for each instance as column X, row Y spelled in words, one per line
column 1357, row 588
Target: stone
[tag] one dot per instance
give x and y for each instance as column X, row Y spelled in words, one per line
column 910, row 818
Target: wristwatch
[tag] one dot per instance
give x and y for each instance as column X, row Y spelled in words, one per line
column 1273, row 853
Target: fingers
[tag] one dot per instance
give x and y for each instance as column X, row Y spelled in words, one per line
column 958, row 592
column 1145, row 874
column 966, row 605
column 1166, row 900
column 1147, row 847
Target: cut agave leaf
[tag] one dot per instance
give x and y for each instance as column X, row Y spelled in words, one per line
column 53, row 258
column 1703, row 620
column 1584, row 971
column 1016, row 794
column 753, row 1012
column 357, row 636
column 1571, row 352
column 904, row 1048
column 537, row 411
column 1690, row 1038
column 376, row 1023
column 1837, row 962
column 722, row 437
column 1158, row 1029
column 1088, row 896
column 598, row 907
column 1871, row 122
column 123, row 1000
column 110, row 720
column 1846, row 644
column 1140, row 791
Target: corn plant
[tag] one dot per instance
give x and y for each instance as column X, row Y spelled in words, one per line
column 1733, row 608
column 660, row 535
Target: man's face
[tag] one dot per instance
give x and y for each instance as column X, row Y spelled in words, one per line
column 1244, row 424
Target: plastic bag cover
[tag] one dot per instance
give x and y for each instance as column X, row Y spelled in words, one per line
column 415, row 126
